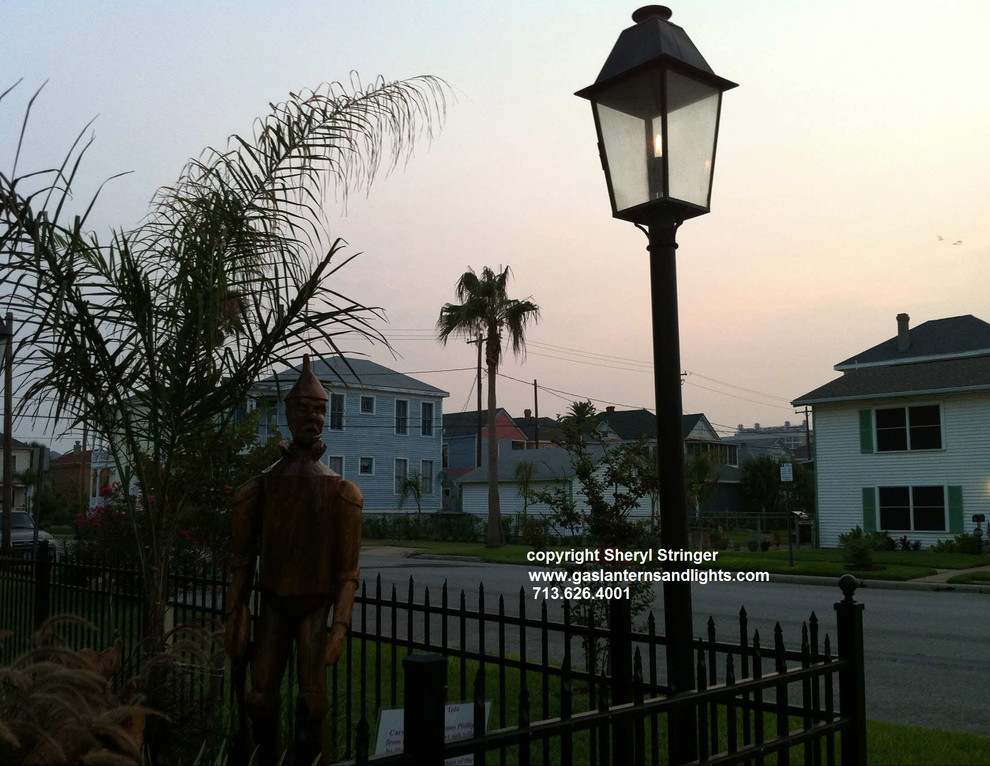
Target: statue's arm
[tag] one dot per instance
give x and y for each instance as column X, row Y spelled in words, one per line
column 348, row 507
column 247, row 509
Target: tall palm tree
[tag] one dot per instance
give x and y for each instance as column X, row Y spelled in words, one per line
column 485, row 307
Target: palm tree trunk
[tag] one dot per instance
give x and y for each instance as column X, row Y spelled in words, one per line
column 494, row 538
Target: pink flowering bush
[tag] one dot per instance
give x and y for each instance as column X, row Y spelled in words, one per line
column 108, row 530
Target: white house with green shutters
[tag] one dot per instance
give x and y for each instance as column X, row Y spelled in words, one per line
column 381, row 427
column 902, row 439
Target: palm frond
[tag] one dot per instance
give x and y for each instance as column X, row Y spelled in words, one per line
column 154, row 331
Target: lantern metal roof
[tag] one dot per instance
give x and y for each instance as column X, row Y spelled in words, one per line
column 652, row 38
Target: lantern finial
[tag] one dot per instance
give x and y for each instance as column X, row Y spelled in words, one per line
column 661, row 12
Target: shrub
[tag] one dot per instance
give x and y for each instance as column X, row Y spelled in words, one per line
column 964, row 543
column 858, row 547
column 457, row 527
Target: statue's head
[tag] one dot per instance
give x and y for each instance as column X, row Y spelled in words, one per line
column 306, row 407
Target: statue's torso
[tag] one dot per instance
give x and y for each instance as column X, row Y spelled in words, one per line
column 298, row 532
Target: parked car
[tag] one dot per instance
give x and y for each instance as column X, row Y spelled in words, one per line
column 22, row 533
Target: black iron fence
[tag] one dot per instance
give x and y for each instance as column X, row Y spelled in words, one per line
column 562, row 688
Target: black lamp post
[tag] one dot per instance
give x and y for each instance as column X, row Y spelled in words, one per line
column 7, row 339
column 656, row 104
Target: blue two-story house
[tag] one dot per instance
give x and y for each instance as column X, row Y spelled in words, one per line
column 381, row 426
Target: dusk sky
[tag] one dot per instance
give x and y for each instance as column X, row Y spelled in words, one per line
column 852, row 179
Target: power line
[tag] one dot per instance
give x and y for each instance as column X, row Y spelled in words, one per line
column 592, row 355
column 740, row 388
column 588, row 353
column 591, row 364
column 736, row 396
column 557, row 392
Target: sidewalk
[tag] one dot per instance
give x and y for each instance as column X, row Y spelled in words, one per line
column 936, row 582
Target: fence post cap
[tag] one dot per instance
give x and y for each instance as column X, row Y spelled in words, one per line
column 848, row 584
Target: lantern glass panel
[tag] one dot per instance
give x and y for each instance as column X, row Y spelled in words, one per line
column 629, row 117
column 692, row 117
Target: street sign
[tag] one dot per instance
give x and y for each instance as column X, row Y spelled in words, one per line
column 786, row 472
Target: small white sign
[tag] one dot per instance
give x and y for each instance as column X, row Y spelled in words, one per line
column 786, row 472
column 458, row 723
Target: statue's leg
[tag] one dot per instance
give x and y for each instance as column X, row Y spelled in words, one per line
column 312, row 709
column 268, row 659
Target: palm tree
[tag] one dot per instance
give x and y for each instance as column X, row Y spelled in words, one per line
column 701, row 478
column 485, row 307
column 154, row 336
column 411, row 486
column 581, row 415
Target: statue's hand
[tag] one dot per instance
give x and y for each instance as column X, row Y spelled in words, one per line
column 335, row 642
column 237, row 632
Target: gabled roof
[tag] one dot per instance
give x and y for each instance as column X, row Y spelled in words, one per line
column 548, row 428
column 458, row 424
column 630, row 424
column 71, row 458
column 93, row 457
column 366, row 375
column 14, row 444
column 548, row 464
column 923, row 378
column 952, row 337
column 942, row 356
column 638, row 424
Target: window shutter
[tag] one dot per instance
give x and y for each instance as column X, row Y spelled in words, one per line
column 956, row 510
column 869, row 509
column 866, row 431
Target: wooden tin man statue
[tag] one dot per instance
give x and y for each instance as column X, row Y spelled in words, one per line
column 304, row 523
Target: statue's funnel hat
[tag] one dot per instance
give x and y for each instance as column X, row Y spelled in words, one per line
column 308, row 385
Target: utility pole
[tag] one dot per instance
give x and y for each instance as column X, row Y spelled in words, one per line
column 807, row 430
column 536, row 415
column 7, row 334
column 479, row 341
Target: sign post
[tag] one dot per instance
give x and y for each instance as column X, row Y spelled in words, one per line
column 786, row 477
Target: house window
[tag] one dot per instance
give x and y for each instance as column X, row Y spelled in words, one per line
column 518, row 445
column 336, row 412
column 909, row 428
column 426, row 476
column 401, row 417
column 366, row 466
column 427, row 418
column 445, row 456
column 335, row 463
column 730, row 454
column 367, row 405
column 267, row 416
column 919, row 509
column 401, row 471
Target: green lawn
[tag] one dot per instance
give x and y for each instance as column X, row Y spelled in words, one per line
column 507, row 554
column 820, row 562
column 826, row 562
column 976, row 578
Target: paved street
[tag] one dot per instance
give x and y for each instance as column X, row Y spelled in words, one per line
column 927, row 660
